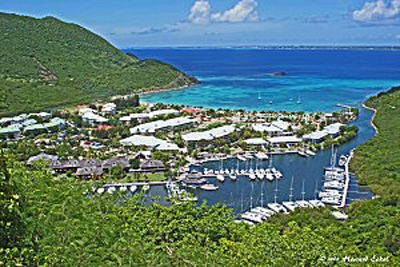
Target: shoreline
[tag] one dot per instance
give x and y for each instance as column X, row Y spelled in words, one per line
column 160, row 90
column 372, row 118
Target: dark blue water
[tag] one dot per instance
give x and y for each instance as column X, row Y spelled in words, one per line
column 233, row 78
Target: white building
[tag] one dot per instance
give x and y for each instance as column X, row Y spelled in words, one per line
column 315, row 137
column 333, row 130
column 255, row 141
column 152, row 127
column 209, row 135
column 93, row 118
column 109, row 109
column 149, row 141
column 275, row 128
column 288, row 140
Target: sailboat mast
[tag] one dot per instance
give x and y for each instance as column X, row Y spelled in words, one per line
column 251, row 196
column 291, row 190
column 303, row 193
column 262, row 194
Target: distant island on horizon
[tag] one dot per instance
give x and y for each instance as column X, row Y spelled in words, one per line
column 279, row 47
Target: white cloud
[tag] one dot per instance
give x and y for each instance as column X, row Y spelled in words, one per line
column 378, row 10
column 244, row 10
column 200, row 12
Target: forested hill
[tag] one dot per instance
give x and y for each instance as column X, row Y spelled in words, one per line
column 47, row 62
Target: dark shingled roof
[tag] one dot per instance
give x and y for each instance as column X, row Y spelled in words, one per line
column 89, row 171
column 123, row 162
column 152, row 164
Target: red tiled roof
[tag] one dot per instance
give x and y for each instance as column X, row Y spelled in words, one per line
column 190, row 110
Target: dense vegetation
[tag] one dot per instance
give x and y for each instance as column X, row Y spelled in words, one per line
column 377, row 163
column 52, row 222
column 47, row 63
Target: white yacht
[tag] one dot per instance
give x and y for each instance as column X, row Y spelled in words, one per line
column 252, row 176
column 342, row 160
column 133, row 188
column 260, row 175
column 316, row 203
column 220, row 178
column 330, row 200
column 264, row 210
column 278, row 208
column 269, row 175
column 290, row 205
column 100, row 190
column 209, row 187
column 145, row 188
column 241, row 158
column 253, row 217
column 303, row 204
column 233, row 177
column 261, row 212
column 111, row 189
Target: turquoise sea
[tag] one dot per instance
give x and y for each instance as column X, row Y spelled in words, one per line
column 235, row 78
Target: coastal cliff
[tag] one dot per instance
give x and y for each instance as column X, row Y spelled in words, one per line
column 47, row 63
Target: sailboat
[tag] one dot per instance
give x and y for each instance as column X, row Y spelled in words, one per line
column 299, row 100
column 220, row 176
column 259, row 95
column 290, row 205
column 302, row 203
column 276, row 207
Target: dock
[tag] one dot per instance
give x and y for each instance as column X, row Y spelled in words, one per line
column 347, row 183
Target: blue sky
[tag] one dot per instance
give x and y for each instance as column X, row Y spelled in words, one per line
column 133, row 23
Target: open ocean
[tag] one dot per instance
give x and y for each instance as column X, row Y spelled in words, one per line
column 234, row 78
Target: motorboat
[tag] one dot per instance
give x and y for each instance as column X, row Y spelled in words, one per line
column 220, row 178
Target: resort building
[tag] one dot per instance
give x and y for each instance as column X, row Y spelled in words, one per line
column 276, row 128
column 139, row 117
column 162, row 112
column 315, row 137
column 256, row 142
column 9, row 132
column 149, row 141
column 332, row 130
column 93, row 118
column 109, row 109
column 152, row 127
column 220, row 132
column 54, row 125
column 285, row 140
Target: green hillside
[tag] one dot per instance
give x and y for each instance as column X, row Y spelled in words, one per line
column 47, row 62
